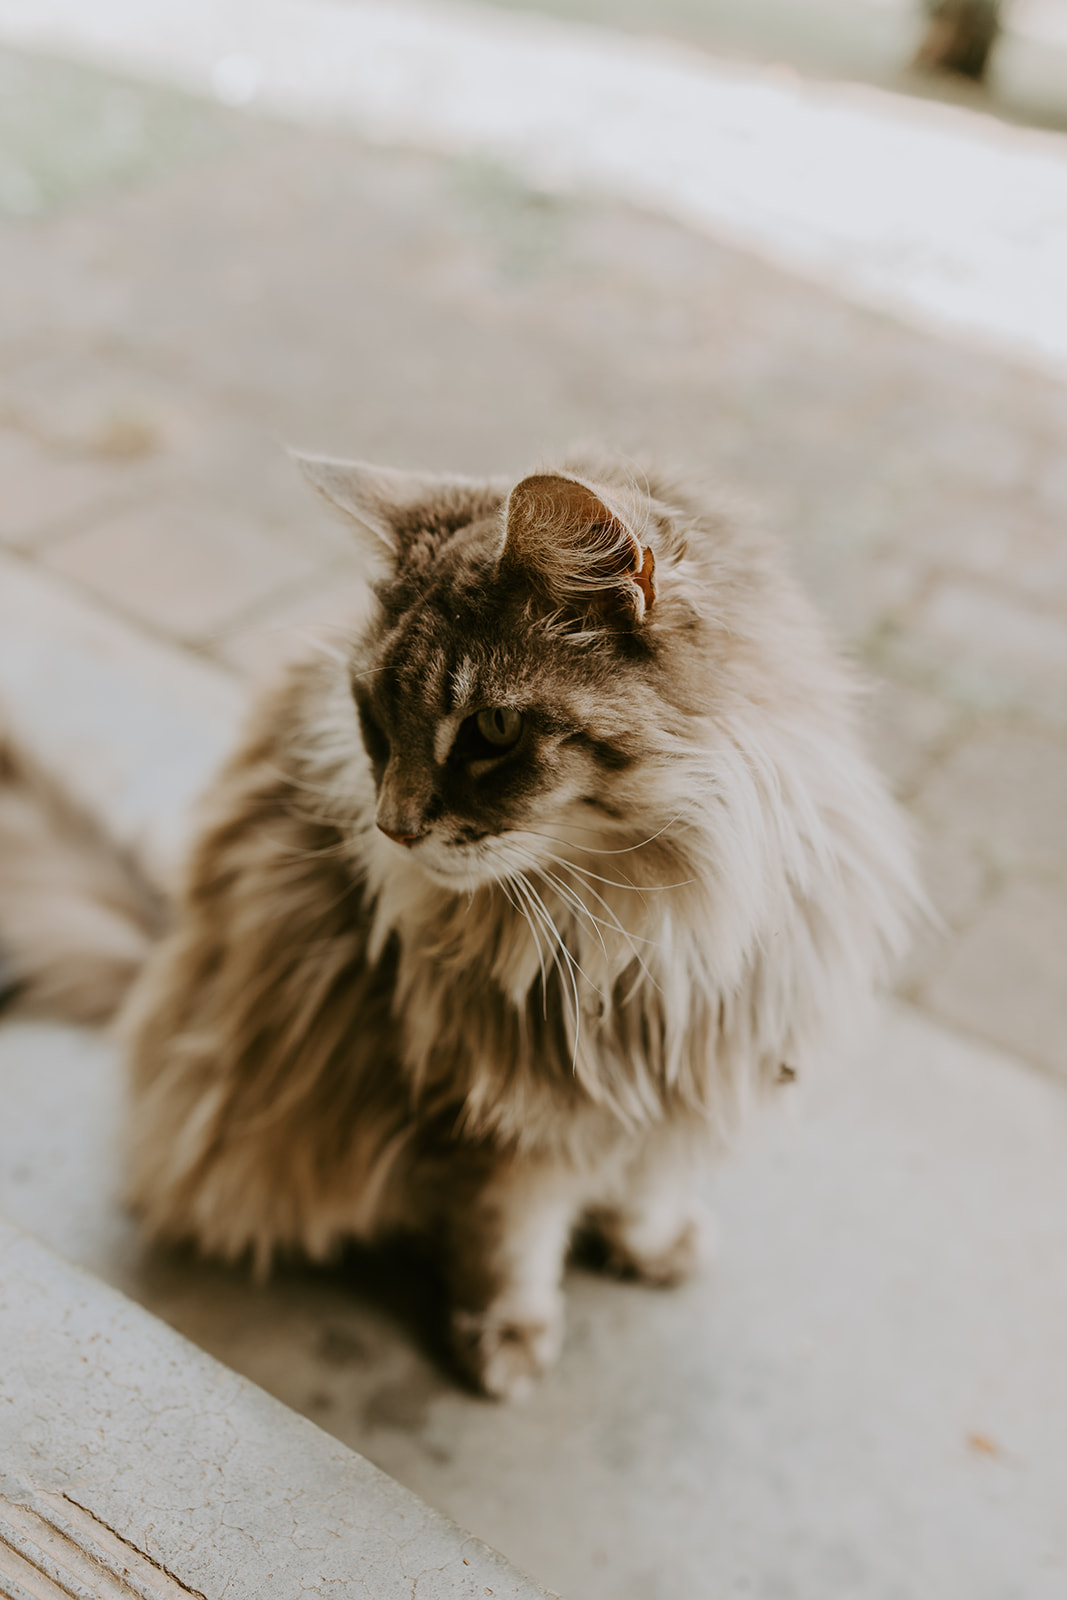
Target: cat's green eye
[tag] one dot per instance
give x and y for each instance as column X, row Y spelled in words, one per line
column 499, row 726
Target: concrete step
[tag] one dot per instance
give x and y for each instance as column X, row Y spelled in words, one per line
column 133, row 1464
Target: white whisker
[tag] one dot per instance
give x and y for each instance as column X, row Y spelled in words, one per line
column 628, row 883
column 560, row 948
column 614, row 923
column 628, row 849
column 575, row 900
column 524, row 913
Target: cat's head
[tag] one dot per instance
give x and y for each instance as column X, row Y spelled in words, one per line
column 520, row 690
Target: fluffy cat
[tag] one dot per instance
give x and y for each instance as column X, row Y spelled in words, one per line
column 500, row 914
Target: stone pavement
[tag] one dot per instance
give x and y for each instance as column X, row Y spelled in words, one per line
column 182, row 290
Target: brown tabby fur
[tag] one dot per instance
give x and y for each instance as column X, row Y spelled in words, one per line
column 418, row 981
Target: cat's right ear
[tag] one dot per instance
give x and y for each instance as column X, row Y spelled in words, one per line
column 376, row 499
column 575, row 540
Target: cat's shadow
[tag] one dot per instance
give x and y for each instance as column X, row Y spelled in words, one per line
column 369, row 1312
column 362, row 1310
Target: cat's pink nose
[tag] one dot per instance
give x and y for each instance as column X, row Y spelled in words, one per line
column 400, row 838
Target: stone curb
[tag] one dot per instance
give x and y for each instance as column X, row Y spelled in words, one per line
column 133, row 1464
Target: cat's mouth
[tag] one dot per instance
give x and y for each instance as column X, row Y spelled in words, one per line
column 461, row 866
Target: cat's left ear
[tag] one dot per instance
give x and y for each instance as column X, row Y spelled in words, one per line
column 577, row 542
column 377, row 499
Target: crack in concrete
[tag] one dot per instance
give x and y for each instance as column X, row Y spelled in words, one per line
column 131, row 1545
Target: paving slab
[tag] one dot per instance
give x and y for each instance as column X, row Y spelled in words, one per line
column 185, row 567
column 1004, row 978
column 984, row 650
column 320, row 615
column 1004, row 790
column 133, row 729
column 142, row 434
column 45, row 491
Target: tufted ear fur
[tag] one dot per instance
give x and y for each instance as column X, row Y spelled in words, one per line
column 578, row 545
column 376, row 499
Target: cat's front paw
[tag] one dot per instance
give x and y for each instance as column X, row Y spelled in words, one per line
column 504, row 1351
column 663, row 1262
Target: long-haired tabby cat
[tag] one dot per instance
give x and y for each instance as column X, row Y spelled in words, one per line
column 501, row 912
